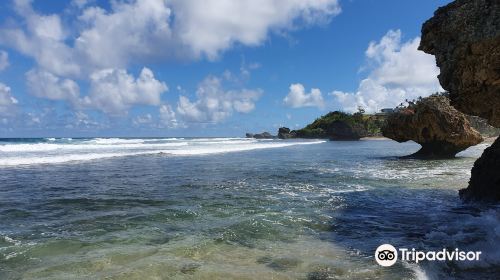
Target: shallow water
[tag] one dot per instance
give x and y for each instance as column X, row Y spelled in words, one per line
column 231, row 208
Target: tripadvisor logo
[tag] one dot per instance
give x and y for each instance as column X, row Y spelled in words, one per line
column 387, row 255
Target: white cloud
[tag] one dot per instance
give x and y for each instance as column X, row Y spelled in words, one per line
column 167, row 117
column 134, row 31
column 217, row 25
column 43, row 38
column 47, row 85
column 215, row 104
column 4, row 60
column 98, row 45
column 398, row 72
column 142, row 30
column 113, row 91
column 7, row 101
column 297, row 97
column 142, row 120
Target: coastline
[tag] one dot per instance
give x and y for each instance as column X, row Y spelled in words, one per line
column 490, row 140
column 374, row 138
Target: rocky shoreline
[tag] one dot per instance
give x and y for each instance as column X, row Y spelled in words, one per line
column 464, row 36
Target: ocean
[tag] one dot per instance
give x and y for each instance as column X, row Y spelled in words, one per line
column 235, row 208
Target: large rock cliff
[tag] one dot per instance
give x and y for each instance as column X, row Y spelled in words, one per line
column 485, row 176
column 433, row 123
column 465, row 38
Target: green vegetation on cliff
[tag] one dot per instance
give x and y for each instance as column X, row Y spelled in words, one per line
column 339, row 125
column 359, row 123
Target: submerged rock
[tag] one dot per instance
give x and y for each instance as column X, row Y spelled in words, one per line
column 485, row 180
column 433, row 123
column 465, row 38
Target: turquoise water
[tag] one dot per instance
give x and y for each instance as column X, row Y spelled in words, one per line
column 230, row 208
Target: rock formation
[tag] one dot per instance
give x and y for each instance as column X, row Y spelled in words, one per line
column 485, row 176
column 285, row 133
column 433, row 123
column 342, row 130
column 263, row 135
column 465, row 38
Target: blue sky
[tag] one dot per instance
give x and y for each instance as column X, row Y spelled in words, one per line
column 221, row 68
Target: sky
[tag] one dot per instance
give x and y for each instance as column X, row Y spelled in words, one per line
column 166, row 68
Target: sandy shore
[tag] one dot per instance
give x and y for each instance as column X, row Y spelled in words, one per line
column 375, row 138
column 490, row 139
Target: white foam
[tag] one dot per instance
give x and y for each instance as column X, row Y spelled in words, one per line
column 51, row 153
column 419, row 272
column 40, row 147
column 111, row 141
column 225, row 149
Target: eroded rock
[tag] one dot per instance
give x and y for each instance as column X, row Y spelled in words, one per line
column 286, row 133
column 485, row 176
column 464, row 36
column 440, row 129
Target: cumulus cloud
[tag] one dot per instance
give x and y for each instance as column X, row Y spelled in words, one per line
column 132, row 31
column 217, row 25
column 4, row 60
column 43, row 38
column 398, row 71
column 113, row 91
column 47, row 85
column 214, row 103
column 168, row 117
column 7, row 101
column 297, row 97
column 142, row 30
column 99, row 44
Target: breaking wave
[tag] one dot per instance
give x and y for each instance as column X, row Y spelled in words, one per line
column 61, row 150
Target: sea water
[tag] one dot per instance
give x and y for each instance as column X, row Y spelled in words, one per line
column 234, row 208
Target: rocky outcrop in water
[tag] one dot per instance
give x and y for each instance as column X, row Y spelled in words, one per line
column 485, row 176
column 465, row 38
column 440, row 129
column 285, row 133
column 263, row 135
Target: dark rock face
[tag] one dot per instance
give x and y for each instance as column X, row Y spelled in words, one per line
column 285, row 133
column 341, row 130
column 263, row 135
column 433, row 123
column 484, row 183
column 465, row 38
